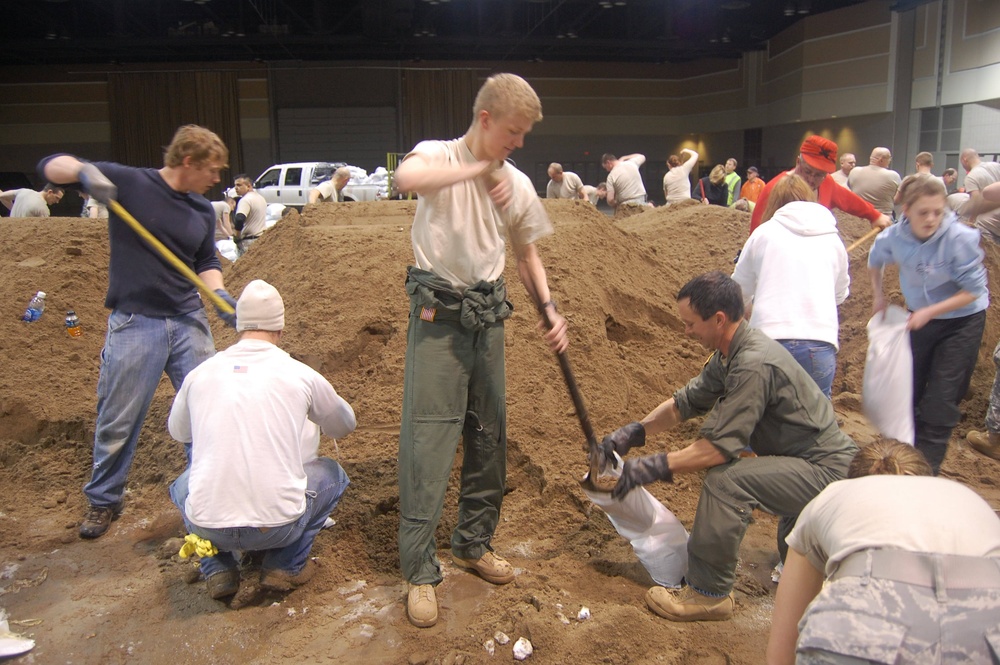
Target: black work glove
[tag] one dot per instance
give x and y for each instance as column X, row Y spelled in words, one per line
column 230, row 319
column 97, row 184
column 642, row 471
column 621, row 441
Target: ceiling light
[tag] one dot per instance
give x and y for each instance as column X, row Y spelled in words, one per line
column 789, row 9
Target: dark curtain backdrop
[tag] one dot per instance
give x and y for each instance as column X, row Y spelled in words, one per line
column 437, row 104
column 146, row 109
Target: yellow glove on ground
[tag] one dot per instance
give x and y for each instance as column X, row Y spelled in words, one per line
column 195, row 545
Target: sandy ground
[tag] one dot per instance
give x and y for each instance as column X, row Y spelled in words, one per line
column 340, row 268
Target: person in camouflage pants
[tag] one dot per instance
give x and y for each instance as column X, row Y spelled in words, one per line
column 913, row 563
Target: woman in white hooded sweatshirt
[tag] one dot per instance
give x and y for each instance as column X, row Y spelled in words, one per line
column 794, row 273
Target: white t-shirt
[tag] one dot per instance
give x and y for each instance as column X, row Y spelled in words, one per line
column 677, row 181
column 254, row 206
column 29, row 203
column 328, row 191
column 986, row 173
column 591, row 193
column 796, row 273
column 569, row 188
column 922, row 514
column 625, row 183
column 246, row 413
column 458, row 234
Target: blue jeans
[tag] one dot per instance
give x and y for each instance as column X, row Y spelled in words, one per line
column 818, row 359
column 137, row 350
column 285, row 547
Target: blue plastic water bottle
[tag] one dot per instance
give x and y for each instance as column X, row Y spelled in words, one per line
column 35, row 308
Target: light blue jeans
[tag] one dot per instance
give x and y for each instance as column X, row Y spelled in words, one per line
column 137, row 350
column 285, row 547
column 818, row 359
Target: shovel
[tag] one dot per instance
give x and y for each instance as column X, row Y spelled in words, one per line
column 588, row 482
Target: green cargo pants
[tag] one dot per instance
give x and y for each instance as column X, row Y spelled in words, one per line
column 780, row 485
column 453, row 387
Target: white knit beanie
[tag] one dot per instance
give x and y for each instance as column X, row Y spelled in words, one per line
column 260, row 308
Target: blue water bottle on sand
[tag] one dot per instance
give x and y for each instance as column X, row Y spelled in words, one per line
column 35, row 308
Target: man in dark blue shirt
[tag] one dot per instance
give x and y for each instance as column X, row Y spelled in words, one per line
column 157, row 320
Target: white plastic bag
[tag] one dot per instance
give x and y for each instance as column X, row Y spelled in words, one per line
column 658, row 538
column 887, row 387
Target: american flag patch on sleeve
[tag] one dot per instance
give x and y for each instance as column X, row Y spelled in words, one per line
column 427, row 314
column 240, row 369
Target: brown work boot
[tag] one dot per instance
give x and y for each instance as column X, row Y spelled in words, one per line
column 688, row 605
column 222, row 584
column 98, row 520
column 489, row 566
column 282, row 580
column 422, row 605
column 987, row 443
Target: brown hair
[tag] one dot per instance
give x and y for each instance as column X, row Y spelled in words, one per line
column 925, row 159
column 200, row 144
column 508, row 94
column 718, row 175
column 920, row 185
column 673, row 161
column 889, row 457
column 788, row 189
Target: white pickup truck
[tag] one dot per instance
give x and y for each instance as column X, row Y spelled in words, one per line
column 289, row 184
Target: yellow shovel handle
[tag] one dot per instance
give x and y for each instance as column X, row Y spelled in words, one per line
column 170, row 257
column 863, row 239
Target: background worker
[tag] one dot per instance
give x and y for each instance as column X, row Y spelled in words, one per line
column 733, row 181
column 712, row 189
column 624, row 183
column 814, row 164
column 30, row 203
column 754, row 184
column 471, row 199
column 757, row 395
column 224, row 229
column 250, row 220
column 847, row 163
column 595, row 194
column 157, row 322
column 912, row 564
column 876, row 183
column 677, row 181
column 563, row 184
column 943, row 279
column 332, row 189
column 255, row 481
column 979, row 175
column 949, row 177
column 924, row 162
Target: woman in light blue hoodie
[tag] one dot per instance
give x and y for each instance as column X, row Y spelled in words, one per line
column 943, row 279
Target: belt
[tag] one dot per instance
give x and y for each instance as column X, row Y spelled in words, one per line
column 936, row 571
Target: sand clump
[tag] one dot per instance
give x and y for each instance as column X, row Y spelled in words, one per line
column 340, row 270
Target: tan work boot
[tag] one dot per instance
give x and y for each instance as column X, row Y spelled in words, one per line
column 282, row 580
column 688, row 605
column 422, row 605
column 489, row 566
column 987, row 443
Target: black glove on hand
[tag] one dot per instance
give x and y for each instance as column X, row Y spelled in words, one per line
column 642, row 471
column 621, row 441
column 230, row 319
column 97, row 184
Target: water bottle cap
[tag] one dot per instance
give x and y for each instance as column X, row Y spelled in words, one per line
column 41, row 294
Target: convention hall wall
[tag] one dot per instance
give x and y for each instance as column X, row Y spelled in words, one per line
column 863, row 76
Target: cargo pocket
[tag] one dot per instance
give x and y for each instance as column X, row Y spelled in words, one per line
column 435, row 439
column 851, row 634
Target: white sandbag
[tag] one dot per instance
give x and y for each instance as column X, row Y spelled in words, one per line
column 227, row 248
column 658, row 538
column 887, row 387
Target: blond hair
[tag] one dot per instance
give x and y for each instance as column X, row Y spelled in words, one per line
column 788, row 189
column 717, row 175
column 888, row 457
column 200, row 144
column 508, row 94
column 919, row 185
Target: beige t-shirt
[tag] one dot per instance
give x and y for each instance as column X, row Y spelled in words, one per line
column 569, row 188
column 625, row 183
column 458, row 234
column 677, row 181
column 221, row 209
column 912, row 513
column 254, row 207
column 876, row 185
column 591, row 193
column 328, row 191
column 986, row 173
column 839, row 177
